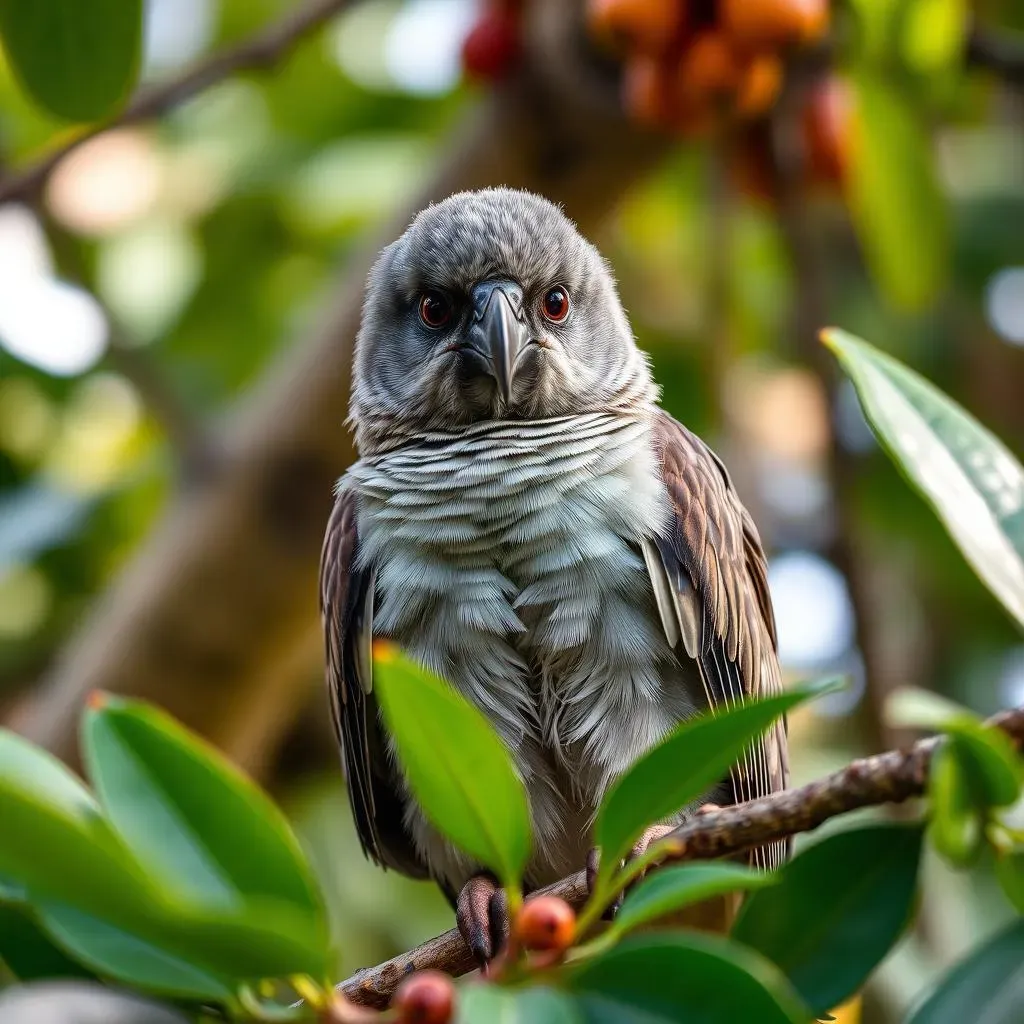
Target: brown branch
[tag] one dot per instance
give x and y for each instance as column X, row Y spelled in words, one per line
column 260, row 52
column 888, row 778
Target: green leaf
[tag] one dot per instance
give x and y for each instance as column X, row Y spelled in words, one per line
column 683, row 767
column 965, row 473
column 457, row 766
column 56, row 844
column 934, row 34
column 492, row 1004
column 1010, row 872
column 897, row 207
column 670, row 889
column 988, row 986
column 956, row 824
column 877, row 21
column 653, row 978
column 202, row 828
column 78, row 59
column 836, row 911
column 27, row 950
column 115, row 953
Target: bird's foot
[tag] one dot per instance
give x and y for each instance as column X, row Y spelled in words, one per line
column 481, row 913
column 649, row 837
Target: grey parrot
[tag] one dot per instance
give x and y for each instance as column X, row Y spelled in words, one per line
column 525, row 521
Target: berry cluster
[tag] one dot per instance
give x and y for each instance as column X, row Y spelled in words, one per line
column 545, row 925
column 690, row 65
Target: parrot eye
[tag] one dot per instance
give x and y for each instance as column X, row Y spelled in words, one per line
column 435, row 310
column 555, row 305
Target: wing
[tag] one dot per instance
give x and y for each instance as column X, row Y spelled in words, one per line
column 710, row 581
column 346, row 611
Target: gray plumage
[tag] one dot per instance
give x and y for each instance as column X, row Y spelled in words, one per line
column 526, row 521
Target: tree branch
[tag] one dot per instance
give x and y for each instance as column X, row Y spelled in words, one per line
column 888, row 778
column 260, row 52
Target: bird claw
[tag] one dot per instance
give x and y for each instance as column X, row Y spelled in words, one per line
column 649, row 837
column 481, row 913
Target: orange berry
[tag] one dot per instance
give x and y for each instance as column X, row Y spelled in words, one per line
column 710, row 70
column 546, row 924
column 767, row 24
column 827, row 124
column 759, row 87
column 649, row 26
column 426, row 997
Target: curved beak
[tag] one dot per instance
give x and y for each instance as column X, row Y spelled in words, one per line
column 498, row 331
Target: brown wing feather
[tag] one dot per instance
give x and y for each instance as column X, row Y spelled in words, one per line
column 716, row 571
column 346, row 611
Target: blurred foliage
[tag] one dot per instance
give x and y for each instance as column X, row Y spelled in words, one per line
column 219, row 244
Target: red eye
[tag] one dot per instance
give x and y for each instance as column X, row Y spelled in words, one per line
column 435, row 309
column 555, row 306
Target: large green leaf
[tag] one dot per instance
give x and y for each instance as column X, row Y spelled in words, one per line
column 685, row 978
column 672, row 888
column 26, row 949
column 457, row 766
column 837, row 909
column 56, row 844
column 968, row 476
column 683, row 767
column 78, row 58
column 492, row 1004
column 986, row 988
column 116, row 953
column 202, row 828
column 1010, row 872
column 898, row 209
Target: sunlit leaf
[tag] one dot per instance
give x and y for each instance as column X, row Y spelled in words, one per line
column 967, row 475
column 684, row 766
column 956, row 824
column 1010, row 872
column 877, row 23
column 988, row 986
column 837, row 909
column 206, row 831
column 78, row 59
column 685, row 976
column 670, row 889
column 897, row 206
column 457, row 766
column 934, row 33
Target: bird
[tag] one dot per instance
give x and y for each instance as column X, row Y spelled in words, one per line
column 526, row 521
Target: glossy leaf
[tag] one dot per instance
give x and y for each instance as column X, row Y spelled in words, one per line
column 492, row 1004
column 205, row 830
column 124, row 956
column 683, row 767
column 457, row 766
column 56, row 844
column 684, row 976
column 967, row 475
column 78, row 59
column 1010, row 872
column 988, row 986
column 895, row 201
column 956, row 824
column 670, row 889
column 837, row 909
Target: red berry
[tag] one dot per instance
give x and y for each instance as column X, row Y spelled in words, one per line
column 426, row 997
column 827, row 123
column 546, row 924
column 492, row 48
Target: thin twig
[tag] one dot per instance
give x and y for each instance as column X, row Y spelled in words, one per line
column 259, row 52
column 888, row 778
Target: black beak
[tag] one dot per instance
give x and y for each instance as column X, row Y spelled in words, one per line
column 498, row 331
